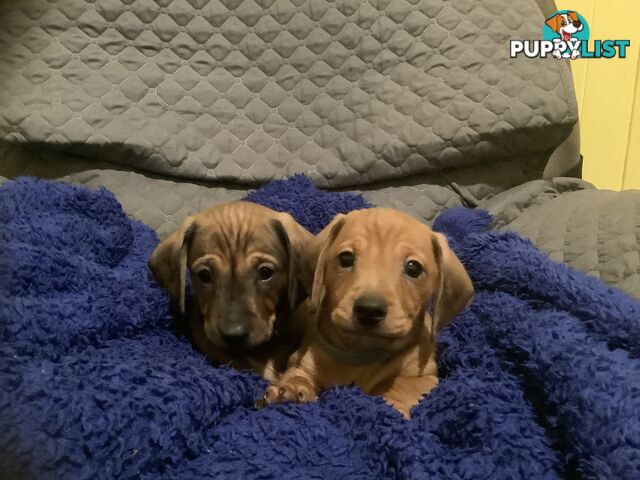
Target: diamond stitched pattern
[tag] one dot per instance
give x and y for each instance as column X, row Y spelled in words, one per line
column 346, row 91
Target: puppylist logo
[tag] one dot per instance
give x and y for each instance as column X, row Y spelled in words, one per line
column 565, row 34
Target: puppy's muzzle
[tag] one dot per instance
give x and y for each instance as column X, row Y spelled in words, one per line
column 234, row 334
column 370, row 310
column 234, row 324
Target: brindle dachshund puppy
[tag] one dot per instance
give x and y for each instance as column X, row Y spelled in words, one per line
column 249, row 272
column 378, row 273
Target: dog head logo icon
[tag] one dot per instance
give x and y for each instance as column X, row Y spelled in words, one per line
column 567, row 29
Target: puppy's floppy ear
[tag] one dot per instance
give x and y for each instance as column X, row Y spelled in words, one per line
column 454, row 288
column 573, row 16
column 322, row 242
column 296, row 241
column 168, row 262
column 554, row 22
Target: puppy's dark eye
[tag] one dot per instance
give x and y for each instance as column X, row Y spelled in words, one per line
column 265, row 272
column 346, row 259
column 413, row 269
column 204, row 275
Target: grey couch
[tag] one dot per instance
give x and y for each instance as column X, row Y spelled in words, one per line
column 178, row 105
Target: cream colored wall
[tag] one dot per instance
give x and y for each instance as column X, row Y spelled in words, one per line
column 608, row 94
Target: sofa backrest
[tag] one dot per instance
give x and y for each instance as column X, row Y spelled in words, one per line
column 348, row 92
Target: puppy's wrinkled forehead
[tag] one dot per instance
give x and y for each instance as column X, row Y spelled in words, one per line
column 235, row 232
column 384, row 231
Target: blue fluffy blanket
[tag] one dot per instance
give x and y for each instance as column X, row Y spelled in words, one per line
column 540, row 375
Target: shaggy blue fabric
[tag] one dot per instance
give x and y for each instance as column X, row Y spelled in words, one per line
column 539, row 375
column 312, row 208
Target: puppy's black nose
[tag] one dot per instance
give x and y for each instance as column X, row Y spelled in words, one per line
column 234, row 334
column 370, row 310
column 577, row 23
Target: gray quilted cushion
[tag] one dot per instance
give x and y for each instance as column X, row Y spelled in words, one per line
column 163, row 202
column 594, row 231
column 346, row 91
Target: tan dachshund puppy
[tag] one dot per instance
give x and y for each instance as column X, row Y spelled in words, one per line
column 379, row 274
column 249, row 272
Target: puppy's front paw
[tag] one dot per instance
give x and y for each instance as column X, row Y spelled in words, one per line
column 295, row 390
